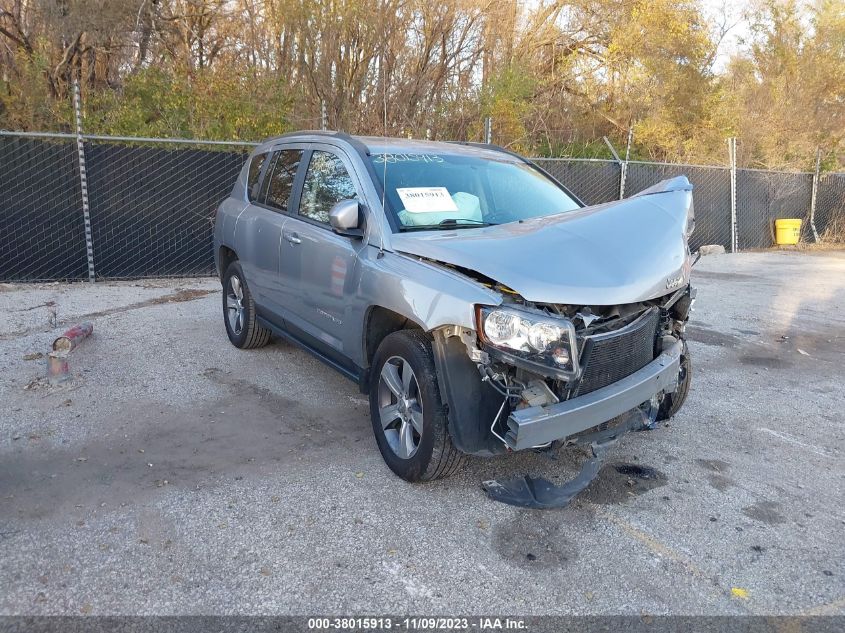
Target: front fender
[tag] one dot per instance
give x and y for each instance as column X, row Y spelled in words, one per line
column 428, row 294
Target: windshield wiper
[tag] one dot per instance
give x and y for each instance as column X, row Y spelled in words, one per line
column 449, row 223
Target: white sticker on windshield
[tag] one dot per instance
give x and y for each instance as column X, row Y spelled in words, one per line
column 426, row 199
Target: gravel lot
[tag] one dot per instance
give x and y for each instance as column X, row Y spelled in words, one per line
column 178, row 475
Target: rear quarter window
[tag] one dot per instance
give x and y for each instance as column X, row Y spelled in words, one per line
column 255, row 165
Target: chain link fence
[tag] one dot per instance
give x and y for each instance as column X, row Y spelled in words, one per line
column 830, row 207
column 594, row 181
column 152, row 208
column 152, row 202
column 42, row 231
column 711, row 197
column 765, row 196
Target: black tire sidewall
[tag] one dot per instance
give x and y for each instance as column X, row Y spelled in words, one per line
column 407, row 345
column 673, row 401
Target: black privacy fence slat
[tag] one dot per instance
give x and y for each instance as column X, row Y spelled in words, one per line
column 594, row 181
column 830, row 205
column 711, row 195
column 152, row 209
column 152, row 203
column 765, row 196
column 42, row 231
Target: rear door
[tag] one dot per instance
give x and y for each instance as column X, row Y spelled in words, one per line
column 268, row 216
column 319, row 265
column 247, row 221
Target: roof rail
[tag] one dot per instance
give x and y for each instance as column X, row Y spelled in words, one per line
column 331, row 133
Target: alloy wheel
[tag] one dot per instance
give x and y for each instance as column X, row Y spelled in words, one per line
column 400, row 407
column 235, row 305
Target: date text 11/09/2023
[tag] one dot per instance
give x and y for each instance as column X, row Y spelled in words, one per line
column 481, row 623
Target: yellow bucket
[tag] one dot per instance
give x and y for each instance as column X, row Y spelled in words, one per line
column 787, row 231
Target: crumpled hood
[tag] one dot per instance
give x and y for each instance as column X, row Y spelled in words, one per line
column 610, row 254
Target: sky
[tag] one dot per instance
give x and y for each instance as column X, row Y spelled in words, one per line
column 732, row 12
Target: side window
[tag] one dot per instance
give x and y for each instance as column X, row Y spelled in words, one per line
column 326, row 182
column 281, row 178
column 252, row 177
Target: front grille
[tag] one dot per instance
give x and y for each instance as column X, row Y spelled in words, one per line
column 612, row 356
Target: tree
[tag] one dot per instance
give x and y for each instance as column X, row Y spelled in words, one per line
column 555, row 75
column 790, row 87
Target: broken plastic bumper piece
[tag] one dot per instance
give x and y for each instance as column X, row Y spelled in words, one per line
column 534, row 426
column 541, row 494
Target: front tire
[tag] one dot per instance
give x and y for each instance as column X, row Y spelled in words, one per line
column 673, row 401
column 408, row 416
column 239, row 311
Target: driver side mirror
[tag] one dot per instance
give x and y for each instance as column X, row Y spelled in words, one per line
column 345, row 218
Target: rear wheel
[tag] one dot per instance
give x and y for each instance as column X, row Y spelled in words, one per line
column 409, row 419
column 239, row 311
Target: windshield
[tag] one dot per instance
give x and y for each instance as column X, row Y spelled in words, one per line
column 427, row 191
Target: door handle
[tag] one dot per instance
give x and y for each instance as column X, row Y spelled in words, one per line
column 291, row 237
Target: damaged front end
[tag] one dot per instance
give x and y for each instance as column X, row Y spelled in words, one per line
column 619, row 358
column 538, row 493
column 555, row 371
column 589, row 326
column 561, row 374
column 587, row 342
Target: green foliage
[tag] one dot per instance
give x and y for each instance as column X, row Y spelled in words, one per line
column 790, row 88
column 206, row 106
column 25, row 101
column 555, row 77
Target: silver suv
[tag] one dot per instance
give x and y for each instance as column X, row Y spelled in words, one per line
column 478, row 302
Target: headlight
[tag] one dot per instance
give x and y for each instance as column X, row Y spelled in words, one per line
column 541, row 336
column 533, row 337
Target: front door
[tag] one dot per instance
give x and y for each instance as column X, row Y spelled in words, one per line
column 320, row 263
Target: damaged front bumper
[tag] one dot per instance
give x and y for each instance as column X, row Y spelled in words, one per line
column 534, row 426
column 539, row 493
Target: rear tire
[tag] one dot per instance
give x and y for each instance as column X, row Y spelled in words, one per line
column 239, row 311
column 408, row 416
column 672, row 402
